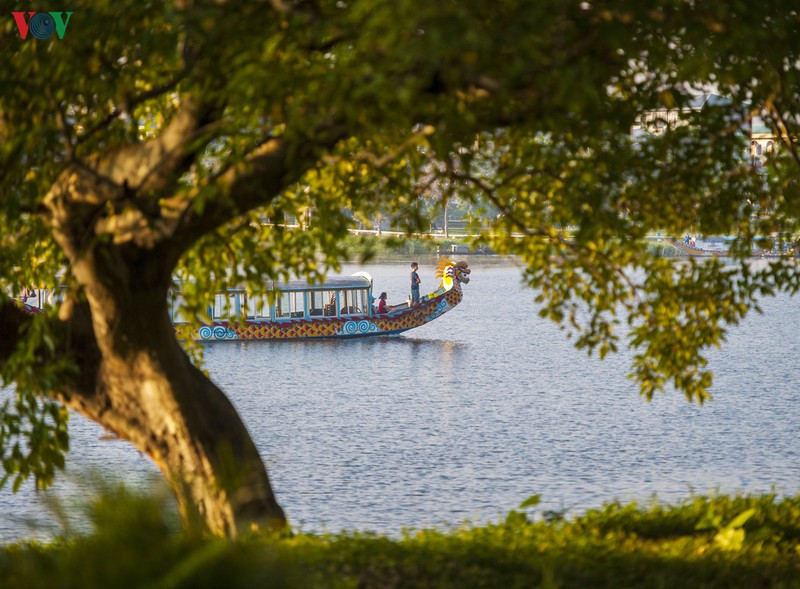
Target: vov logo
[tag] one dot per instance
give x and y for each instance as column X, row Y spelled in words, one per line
column 42, row 25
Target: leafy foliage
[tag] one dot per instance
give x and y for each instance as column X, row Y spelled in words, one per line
column 135, row 542
column 33, row 429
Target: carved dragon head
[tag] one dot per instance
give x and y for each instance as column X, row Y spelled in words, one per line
column 448, row 270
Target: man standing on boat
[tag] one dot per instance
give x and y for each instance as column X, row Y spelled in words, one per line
column 415, row 282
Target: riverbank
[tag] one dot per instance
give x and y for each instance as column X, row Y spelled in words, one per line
column 704, row 542
column 365, row 247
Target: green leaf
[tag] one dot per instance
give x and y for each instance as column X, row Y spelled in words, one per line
column 741, row 519
column 531, row 501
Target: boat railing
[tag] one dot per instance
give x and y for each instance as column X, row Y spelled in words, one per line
column 344, row 299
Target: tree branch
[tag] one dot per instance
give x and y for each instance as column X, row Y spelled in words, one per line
column 74, row 340
column 12, row 325
column 241, row 188
column 132, row 103
column 146, row 166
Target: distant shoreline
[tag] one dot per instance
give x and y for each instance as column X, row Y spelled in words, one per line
column 368, row 246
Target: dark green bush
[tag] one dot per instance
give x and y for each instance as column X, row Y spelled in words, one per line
column 719, row 541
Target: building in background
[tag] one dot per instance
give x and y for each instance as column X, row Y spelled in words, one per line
column 657, row 121
column 762, row 140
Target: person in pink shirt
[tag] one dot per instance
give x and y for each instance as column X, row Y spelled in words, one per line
column 382, row 307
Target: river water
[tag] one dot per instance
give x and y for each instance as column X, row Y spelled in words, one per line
column 462, row 419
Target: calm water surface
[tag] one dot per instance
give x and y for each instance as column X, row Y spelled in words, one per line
column 462, row 419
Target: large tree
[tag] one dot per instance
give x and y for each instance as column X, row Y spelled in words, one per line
column 169, row 140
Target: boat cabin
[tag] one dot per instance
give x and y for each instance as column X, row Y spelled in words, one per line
column 341, row 296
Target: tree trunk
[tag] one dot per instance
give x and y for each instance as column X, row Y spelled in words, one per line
column 148, row 392
column 137, row 382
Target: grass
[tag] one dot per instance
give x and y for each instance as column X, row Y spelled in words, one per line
column 719, row 541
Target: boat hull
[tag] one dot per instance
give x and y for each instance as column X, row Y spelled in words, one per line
column 352, row 326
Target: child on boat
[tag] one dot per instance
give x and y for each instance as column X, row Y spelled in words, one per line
column 382, row 307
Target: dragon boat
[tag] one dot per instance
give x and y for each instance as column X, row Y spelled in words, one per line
column 341, row 307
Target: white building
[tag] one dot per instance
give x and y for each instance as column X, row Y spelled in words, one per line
column 762, row 141
column 655, row 122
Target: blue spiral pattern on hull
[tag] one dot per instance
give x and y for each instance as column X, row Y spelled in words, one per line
column 442, row 307
column 358, row 328
column 216, row 332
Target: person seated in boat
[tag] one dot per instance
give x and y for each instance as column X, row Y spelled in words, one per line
column 382, row 306
column 330, row 308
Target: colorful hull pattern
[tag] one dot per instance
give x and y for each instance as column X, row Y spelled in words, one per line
column 435, row 304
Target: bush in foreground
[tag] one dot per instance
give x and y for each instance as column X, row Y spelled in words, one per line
column 719, row 541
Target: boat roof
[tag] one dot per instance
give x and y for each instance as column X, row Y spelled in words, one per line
column 332, row 283
column 357, row 280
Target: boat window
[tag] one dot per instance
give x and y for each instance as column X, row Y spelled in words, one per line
column 177, row 303
column 227, row 305
column 257, row 306
column 353, row 302
column 289, row 305
column 220, row 305
column 322, row 302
